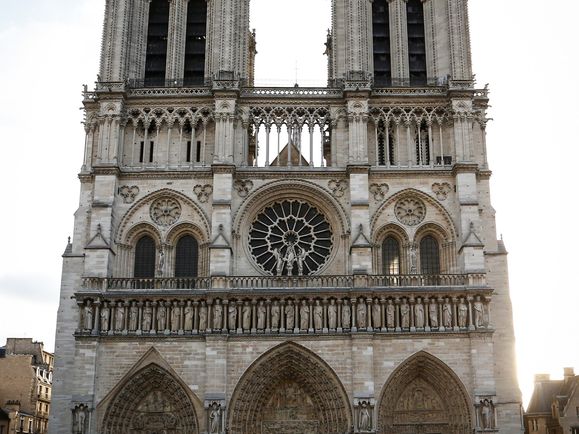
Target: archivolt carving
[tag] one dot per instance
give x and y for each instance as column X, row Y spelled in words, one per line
column 289, row 390
column 422, row 392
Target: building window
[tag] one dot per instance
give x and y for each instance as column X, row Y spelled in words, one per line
column 429, row 255
column 195, row 44
column 534, row 425
column 391, row 256
column 422, row 140
column 145, row 253
column 416, row 42
column 186, row 257
column 157, row 35
column 385, row 136
column 381, row 40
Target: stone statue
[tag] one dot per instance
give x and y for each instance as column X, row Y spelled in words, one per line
column 261, row 315
column 318, row 316
column 119, row 317
column 147, row 317
column 361, row 314
column 246, row 314
column 289, row 315
column 217, row 315
column 279, row 262
column 133, row 317
column 232, row 316
column 105, row 316
column 215, row 419
column 419, row 314
column 275, row 315
column 447, row 314
column 376, row 314
column 413, row 268
column 189, row 312
column 487, row 414
column 390, row 315
column 203, row 317
column 346, row 315
column 332, row 314
column 405, row 314
column 301, row 258
column 478, row 313
column 304, row 315
column 365, row 418
column 433, row 313
column 88, row 316
column 161, row 261
column 161, row 317
column 80, row 420
column 462, row 313
column 290, row 259
column 175, row 317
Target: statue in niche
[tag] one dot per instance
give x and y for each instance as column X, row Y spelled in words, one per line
column 289, row 315
column 447, row 313
column 304, row 315
column 275, row 315
column 332, row 314
column 214, row 418
column 478, row 313
column 346, row 314
column 246, row 316
column 175, row 317
column 390, row 315
column 88, row 316
column 290, row 259
column 279, row 261
column 261, row 315
column 161, row 261
column 365, row 417
column 433, row 313
column 376, row 314
column 119, row 317
column 232, row 315
column 361, row 314
column 80, row 419
column 419, row 314
column 301, row 258
column 161, row 317
column 203, row 317
column 405, row 314
column 133, row 316
column 487, row 414
column 105, row 316
column 189, row 312
column 318, row 316
column 462, row 313
column 147, row 317
column 217, row 315
column 413, row 269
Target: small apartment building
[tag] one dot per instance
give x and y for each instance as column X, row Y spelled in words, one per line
column 554, row 406
column 25, row 386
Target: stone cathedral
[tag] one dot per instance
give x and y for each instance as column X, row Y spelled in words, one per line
column 260, row 260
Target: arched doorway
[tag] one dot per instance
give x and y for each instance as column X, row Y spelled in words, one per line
column 424, row 396
column 289, row 390
column 151, row 401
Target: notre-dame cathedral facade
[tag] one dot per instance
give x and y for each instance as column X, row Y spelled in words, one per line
column 252, row 260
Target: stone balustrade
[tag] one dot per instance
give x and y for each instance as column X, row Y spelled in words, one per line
column 238, row 312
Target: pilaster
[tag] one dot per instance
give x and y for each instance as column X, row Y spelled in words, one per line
column 176, row 39
column 399, row 42
column 460, row 40
column 361, row 249
column 115, row 40
column 220, row 249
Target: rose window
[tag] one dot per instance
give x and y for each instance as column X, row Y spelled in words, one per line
column 165, row 212
column 410, row 211
column 290, row 238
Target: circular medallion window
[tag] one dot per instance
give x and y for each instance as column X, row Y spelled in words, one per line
column 165, row 211
column 410, row 211
column 290, row 237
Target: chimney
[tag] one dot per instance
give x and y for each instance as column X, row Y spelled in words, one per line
column 568, row 374
column 541, row 378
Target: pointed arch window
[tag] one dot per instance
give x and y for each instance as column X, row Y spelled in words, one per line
column 391, row 256
column 186, row 257
column 416, row 42
column 157, row 35
column 429, row 256
column 145, row 253
column 195, row 44
column 381, row 40
column 422, row 140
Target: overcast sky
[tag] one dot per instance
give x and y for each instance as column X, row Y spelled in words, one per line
column 526, row 50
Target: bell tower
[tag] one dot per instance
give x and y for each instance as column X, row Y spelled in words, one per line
column 254, row 260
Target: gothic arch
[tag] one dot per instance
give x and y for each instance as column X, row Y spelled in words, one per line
column 396, row 231
column 424, row 391
column 150, row 396
column 289, row 378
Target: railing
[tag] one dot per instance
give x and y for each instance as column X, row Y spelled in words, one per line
column 291, row 92
column 332, row 311
column 284, row 282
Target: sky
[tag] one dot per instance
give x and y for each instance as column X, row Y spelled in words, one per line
column 525, row 49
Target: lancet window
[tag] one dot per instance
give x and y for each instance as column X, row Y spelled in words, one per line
column 186, row 257
column 429, row 255
column 385, row 143
column 195, row 44
column 423, row 144
column 416, row 42
column 391, row 256
column 381, row 43
column 157, row 36
column 145, row 254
